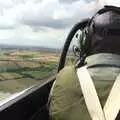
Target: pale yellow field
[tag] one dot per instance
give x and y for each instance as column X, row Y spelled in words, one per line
column 10, row 76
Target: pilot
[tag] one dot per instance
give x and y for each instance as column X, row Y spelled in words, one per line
column 100, row 44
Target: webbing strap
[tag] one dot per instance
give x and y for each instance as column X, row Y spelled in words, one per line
column 92, row 101
column 112, row 106
column 90, row 94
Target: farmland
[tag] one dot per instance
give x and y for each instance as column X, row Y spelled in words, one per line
column 22, row 68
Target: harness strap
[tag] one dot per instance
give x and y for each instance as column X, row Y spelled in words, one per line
column 92, row 101
column 90, row 94
column 112, row 106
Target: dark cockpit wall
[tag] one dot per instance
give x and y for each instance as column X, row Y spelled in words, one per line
column 28, row 106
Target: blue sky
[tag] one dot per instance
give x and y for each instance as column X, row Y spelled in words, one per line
column 41, row 22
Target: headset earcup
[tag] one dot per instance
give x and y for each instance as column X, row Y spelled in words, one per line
column 90, row 33
column 83, row 41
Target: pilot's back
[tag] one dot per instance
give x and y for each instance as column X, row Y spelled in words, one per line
column 67, row 99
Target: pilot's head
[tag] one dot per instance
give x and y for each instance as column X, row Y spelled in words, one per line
column 102, row 33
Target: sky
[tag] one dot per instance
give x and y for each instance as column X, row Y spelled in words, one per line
column 41, row 22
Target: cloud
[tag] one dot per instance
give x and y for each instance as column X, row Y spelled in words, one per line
column 55, row 15
column 88, row 1
column 25, row 36
column 67, row 1
column 71, row 1
column 40, row 22
column 42, row 13
column 48, row 22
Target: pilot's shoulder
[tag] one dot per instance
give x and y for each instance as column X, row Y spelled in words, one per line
column 67, row 70
column 66, row 75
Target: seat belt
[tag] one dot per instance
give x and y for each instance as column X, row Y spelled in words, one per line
column 112, row 106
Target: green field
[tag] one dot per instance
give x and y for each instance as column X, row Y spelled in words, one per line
column 20, row 70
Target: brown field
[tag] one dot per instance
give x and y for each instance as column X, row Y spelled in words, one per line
column 33, row 56
column 10, row 76
column 8, row 63
column 29, row 64
column 49, row 58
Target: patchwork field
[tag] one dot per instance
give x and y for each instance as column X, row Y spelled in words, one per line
column 22, row 69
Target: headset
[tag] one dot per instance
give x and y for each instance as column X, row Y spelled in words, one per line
column 86, row 35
